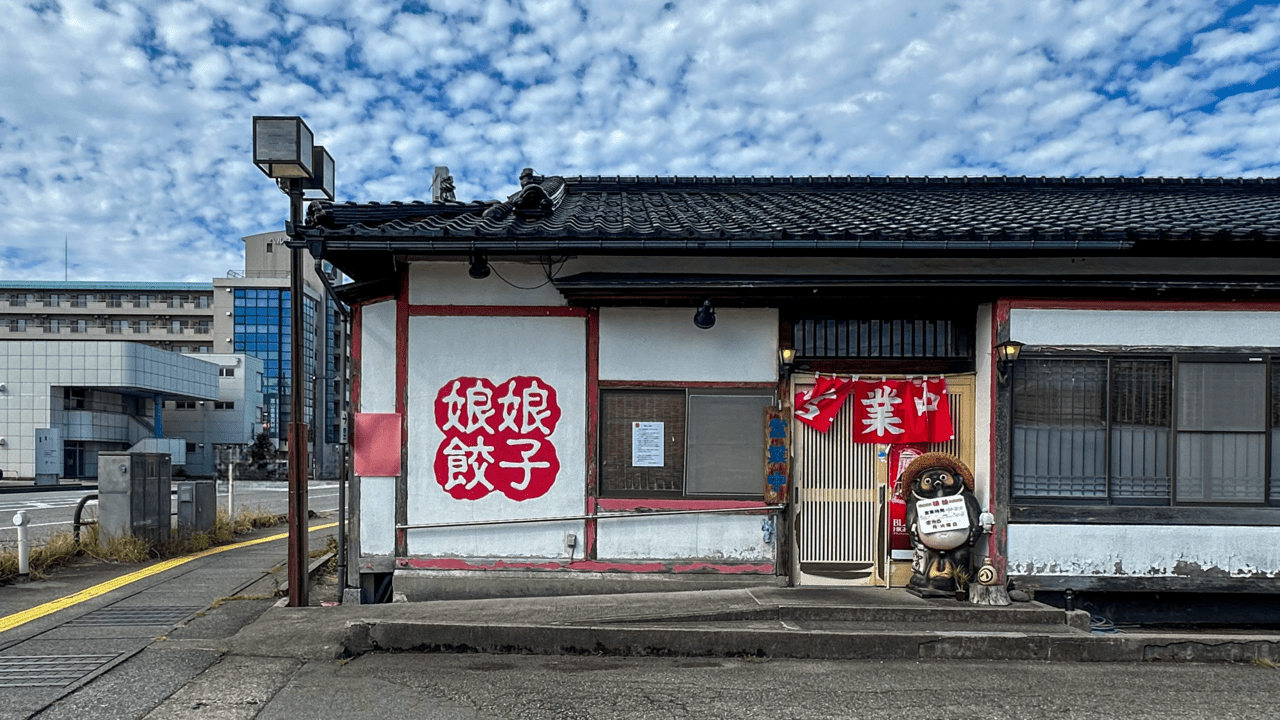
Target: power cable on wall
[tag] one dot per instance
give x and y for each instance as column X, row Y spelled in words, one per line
column 549, row 268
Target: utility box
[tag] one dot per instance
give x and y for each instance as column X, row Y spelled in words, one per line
column 134, row 496
column 197, row 506
column 48, row 455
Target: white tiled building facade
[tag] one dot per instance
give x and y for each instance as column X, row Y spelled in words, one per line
column 230, row 422
column 102, row 395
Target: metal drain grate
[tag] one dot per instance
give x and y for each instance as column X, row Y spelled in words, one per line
column 48, row 670
column 110, row 616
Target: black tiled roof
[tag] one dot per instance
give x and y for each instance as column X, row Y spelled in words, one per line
column 815, row 214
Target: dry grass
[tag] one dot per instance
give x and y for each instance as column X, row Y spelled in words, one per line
column 221, row 601
column 62, row 549
column 329, row 547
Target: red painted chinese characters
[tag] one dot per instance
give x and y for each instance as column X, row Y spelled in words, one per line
column 886, row 411
column 496, row 438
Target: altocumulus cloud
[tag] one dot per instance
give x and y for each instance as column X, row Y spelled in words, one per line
column 125, row 127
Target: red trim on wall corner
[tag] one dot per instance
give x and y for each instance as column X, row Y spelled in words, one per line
column 402, row 346
column 999, row 314
column 497, row 310
column 591, row 566
column 636, row 504
column 402, row 407
column 643, row 384
column 999, row 318
column 593, row 428
column 357, row 345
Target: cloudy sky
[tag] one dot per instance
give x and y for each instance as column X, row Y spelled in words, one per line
column 125, row 126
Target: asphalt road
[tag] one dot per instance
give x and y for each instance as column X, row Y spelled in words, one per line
column 448, row 687
column 50, row 512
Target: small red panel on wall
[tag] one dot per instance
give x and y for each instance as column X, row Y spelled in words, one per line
column 376, row 444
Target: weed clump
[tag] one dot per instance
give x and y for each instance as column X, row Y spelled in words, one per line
column 62, row 549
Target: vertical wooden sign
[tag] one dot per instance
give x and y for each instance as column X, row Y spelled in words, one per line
column 777, row 454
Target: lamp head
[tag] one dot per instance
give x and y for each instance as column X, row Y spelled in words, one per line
column 283, row 147
column 1008, row 351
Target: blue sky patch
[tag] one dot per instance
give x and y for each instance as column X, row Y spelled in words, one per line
column 129, row 124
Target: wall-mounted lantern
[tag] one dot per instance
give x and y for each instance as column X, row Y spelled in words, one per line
column 786, row 361
column 1006, row 352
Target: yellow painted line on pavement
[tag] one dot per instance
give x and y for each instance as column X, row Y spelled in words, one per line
column 21, row 618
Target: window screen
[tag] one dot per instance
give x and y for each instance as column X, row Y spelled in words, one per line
column 1222, row 415
column 1059, row 428
column 619, row 411
column 1141, row 412
column 726, row 436
column 712, row 442
column 1125, row 430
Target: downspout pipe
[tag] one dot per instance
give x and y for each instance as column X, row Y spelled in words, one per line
column 317, row 251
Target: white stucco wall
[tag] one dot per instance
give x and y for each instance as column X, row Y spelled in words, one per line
column 378, row 358
column 377, row 395
column 496, row 348
column 1142, row 550
column 1138, row 328
column 711, row 538
column 664, row 344
column 377, row 515
column 982, row 417
column 439, row 283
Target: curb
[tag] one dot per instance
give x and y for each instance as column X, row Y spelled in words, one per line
column 9, row 487
column 1069, row 645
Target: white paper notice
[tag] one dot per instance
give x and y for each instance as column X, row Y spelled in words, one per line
column 937, row 515
column 646, row 444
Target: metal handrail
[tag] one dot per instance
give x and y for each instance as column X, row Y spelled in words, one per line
column 592, row 516
column 76, row 522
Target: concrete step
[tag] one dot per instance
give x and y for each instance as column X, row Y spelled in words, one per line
column 1028, row 614
column 880, row 642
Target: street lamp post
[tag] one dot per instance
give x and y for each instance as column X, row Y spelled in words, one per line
column 283, row 149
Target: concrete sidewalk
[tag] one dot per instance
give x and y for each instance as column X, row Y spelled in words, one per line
column 83, row 640
column 817, row 623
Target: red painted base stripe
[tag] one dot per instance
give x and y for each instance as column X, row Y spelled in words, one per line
column 590, row 566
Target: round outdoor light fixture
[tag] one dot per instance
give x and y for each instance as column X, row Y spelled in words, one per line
column 479, row 269
column 705, row 318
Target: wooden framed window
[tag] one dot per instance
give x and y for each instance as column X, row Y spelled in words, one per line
column 712, row 442
column 1170, row 430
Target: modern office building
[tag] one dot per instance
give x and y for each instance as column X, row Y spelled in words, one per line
column 252, row 315
column 170, row 316
column 244, row 315
column 215, row 431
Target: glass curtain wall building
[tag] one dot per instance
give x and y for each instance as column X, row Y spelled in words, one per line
column 332, row 364
column 262, row 328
